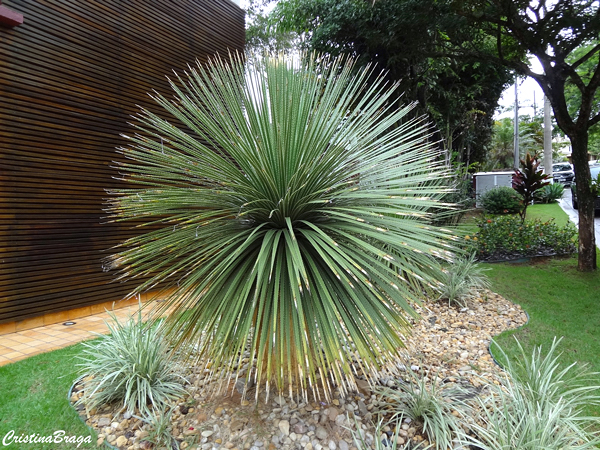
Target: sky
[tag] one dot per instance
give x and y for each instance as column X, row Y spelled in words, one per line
column 528, row 90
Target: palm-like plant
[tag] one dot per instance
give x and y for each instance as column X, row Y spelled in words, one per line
column 295, row 206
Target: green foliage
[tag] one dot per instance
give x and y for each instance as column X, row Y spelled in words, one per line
column 550, row 193
column 294, row 220
column 538, row 406
column 460, row 196
column 463, row 278
column 133, row 365
column 508, row 237
column 501, row 200
column 420, row 43
column 501, row 149
column 585, row 70
column 425, row 402
column 264, row 36
column 34, row 400
column 528, row 181
column 500, row 153
column 160, row 433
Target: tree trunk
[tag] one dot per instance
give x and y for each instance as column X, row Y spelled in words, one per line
column 586, row 200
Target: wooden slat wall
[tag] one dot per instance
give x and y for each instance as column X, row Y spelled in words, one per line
column 70, row 77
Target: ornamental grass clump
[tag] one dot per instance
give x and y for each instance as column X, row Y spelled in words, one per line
column 292, row 204
column 133, row 366
column 426, row 403
column 462, row 280
column 539, row 405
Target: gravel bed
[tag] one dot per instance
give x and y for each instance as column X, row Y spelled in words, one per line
column 448, row 343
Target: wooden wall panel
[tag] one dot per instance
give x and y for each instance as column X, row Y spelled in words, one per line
column 70, row 77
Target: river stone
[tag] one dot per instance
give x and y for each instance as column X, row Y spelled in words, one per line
column 284, row 427
column 332, row 413
column 321, row 433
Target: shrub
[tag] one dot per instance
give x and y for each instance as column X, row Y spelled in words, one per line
column 501, row 200
column 463, row 278
column 132, row 365
column 505, row 237
column 294, row 219
column 538, row 406
column 550, row 193
column 528, row 181
column 425, row 402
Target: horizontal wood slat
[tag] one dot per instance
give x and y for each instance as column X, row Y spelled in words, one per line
column 71, row 76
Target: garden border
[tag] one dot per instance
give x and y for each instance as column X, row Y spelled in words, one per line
column 72, row 405
column 490, row 344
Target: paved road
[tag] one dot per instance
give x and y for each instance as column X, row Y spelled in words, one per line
column 565, row 204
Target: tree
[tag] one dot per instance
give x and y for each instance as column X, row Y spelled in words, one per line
column 262, row 37
column 573, row 94
column 563, row 36
column 294, row 217
column 500, row 154
column 409, row 38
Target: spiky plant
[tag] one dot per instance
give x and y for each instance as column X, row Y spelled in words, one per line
column 539, row 405
column 294, row 201
column 133, row 365
column 462, row 280
column 426, row 402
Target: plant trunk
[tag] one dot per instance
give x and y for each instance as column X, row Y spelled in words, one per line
column 586, row 200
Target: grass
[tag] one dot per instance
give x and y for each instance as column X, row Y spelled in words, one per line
column 560, row 300
column 551, row 211
column 34, row 400
column 548, row 212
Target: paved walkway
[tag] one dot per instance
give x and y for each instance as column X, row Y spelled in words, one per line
column 565, row 204
column 23, row 344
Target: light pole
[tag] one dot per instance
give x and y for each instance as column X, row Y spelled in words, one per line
column 516, row 128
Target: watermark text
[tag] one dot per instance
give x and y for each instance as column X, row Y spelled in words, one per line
column 58, row 437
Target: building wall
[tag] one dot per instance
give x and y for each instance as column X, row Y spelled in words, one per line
column 70, row 77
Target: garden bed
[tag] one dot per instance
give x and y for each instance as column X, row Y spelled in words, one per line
column 448, row 343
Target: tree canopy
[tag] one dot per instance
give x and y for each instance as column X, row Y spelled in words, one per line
column 415, row 41
column 564, row 36
column 454, row 57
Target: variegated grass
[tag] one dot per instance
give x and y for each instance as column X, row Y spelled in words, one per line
column 133, row 365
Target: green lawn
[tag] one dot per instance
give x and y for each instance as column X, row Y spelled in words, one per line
column 548, row 212
column 551, row 211
column 33, row 399
column 560, row 301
